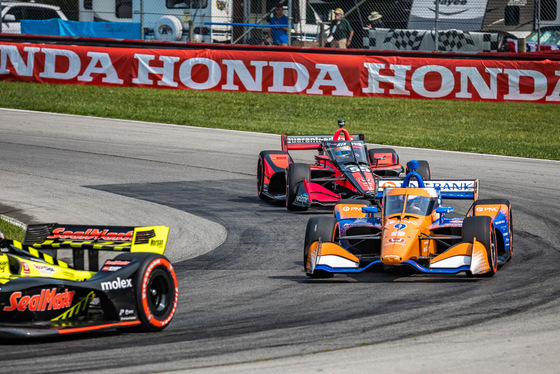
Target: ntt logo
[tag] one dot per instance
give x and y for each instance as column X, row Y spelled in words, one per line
column 117, row 284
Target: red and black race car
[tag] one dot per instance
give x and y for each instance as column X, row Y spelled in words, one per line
column 43, row 296
column 344, row 168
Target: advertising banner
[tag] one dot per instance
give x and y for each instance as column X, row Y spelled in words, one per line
column 278, row 71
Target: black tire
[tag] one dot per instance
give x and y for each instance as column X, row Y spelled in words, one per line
column 423, row 170
column 503, row 202
column 324, row 228
column 373, row 151
column 260, row 173
column 156, row 290
column 296, row 173
column 482, row 228
column 355, row 201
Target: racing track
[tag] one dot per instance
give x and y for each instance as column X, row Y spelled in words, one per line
column 247, row 302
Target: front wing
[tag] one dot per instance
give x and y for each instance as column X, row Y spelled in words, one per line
column 328, row 257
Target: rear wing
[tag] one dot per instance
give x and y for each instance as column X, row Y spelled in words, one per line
column 449, row 189
column 309, row 141
column 49, row 236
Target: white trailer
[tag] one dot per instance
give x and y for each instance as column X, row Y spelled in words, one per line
column 512, row 16
column 172, row 19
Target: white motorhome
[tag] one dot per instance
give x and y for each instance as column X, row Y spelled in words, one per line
column 165, row 19
column 172, row 19
column 512, row 16
column 85, row 8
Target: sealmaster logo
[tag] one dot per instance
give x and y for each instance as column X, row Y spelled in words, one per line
column 46, row 300
column 117, row 284
column 91, row 234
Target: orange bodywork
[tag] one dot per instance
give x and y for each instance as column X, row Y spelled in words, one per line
column 401, row 231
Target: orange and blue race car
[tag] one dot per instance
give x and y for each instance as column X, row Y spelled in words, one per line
column 412, row 230
column 344, row 168
column 43, row 296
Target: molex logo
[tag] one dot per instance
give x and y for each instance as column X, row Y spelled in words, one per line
column 117, row 284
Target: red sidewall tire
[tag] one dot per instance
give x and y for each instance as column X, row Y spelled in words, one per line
column 158, row 293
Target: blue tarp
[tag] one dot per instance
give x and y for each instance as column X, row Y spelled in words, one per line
column 58, row 27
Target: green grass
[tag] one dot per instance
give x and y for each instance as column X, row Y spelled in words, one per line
column 11, row 231
column 515, row 129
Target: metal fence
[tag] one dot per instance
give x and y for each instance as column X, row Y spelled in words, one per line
column 440, row 25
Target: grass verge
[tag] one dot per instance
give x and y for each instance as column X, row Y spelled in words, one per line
column 514, row 129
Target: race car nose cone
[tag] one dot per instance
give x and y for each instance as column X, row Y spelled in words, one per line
column 391, row 260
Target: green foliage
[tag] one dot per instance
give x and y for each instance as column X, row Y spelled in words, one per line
column 515, row 129
column 12, row 231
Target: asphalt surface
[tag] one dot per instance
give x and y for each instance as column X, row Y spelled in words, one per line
column 245, row 302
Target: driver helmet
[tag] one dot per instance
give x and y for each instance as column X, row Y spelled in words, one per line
column 344, row 151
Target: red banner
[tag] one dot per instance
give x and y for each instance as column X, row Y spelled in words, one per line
column 284, row 72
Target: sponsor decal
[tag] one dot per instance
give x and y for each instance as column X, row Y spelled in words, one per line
column 302, row 198
column 156, row 242
column 117, row 262
column 352, row 208
column 293, row 73
column 400, row 226
column 25, row 267
column 91, row 234
column 397, row 233
column 44, row 269
column 387, row 184
column 114, row 265
column 448, row 186
column 127, row 315
column 406, row 222
column 46, row 300
column 396, row 240
column 307, row 139
column 111, row 268
column 117, row 284
column 487, row 209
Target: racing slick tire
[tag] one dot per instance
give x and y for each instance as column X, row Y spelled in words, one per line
column 423, row 170
column 156, row 290
column 319, row 228
column 295, row 174
column 354, row 201
column 482, row 228
column 373, row 151
column 510, row 228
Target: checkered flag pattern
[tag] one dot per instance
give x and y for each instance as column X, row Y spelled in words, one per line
column 423, row 40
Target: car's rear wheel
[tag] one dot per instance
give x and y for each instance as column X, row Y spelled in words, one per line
column 423, row 169
column 482, row 228
column 320, row 228
column 510, row 220
column 156, row 290
column 372, row 152
column 296, row 174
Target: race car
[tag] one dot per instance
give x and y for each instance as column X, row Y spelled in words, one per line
column 343, row 168
column 412, row 231
column 42, row 296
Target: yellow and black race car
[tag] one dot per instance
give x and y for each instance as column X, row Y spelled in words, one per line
column 41, row 295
